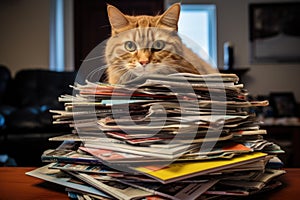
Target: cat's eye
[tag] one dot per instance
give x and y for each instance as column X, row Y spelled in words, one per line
column 130, row 46
column 158, row 45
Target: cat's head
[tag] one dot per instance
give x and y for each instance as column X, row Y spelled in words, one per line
column 142, row 44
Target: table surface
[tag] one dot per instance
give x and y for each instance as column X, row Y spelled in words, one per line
column 15, row 184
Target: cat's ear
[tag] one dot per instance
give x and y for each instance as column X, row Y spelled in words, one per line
column 116, row 18
column 171, row 16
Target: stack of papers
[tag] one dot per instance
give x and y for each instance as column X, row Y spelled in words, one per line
column 182, row 136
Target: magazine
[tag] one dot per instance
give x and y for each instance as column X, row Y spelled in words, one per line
column 57, row 177
column 98, row 169
column 114, row 188
column 69, row 156
column 177, row 190
column 183, row 170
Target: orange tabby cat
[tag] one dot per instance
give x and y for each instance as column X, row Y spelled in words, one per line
column 148, row 45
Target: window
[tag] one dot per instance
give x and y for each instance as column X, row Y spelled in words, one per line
column 197, row 24
column 57, row 35
column 61, row 55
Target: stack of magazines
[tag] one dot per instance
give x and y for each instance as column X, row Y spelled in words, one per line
column 181, row 136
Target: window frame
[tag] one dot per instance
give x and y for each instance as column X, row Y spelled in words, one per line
column 211, row 10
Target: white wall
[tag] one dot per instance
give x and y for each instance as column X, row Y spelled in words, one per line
column 24, row 34
column 261, row 79
column 233, row 25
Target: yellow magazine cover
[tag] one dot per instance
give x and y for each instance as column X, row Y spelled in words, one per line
column 183, row 170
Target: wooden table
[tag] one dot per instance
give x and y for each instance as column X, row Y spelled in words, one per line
column 14, row 184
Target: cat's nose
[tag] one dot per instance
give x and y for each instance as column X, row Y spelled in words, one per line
column 144, row 62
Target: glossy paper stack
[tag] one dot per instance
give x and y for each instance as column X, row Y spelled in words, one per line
column 181, row 136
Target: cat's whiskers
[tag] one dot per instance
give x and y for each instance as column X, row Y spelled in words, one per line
column 94, row 58
column 91, row 76
column 128, row 75
column 120, row 70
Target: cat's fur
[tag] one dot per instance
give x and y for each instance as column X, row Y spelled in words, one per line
column 148, row 45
